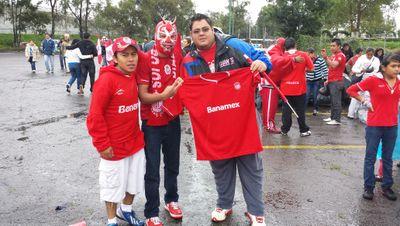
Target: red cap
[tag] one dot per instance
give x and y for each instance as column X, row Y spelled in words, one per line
column 121, row 43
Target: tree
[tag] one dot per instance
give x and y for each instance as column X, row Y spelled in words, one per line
column 357, row 16
column 23, row 15
column 105, row 18
column 296, row 17
column 267, row 25
column 53, row 13
column 80, row 9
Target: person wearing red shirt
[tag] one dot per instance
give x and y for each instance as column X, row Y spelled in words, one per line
column 382, row 122
column 113, row 124
column 211, row 54
column 294, row 86
column 270, row 96
column 336, row 65
column 158, row 82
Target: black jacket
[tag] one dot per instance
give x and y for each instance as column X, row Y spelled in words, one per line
column 86, row 47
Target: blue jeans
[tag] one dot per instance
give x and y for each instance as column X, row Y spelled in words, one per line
column 75, row 69
column 166, row 139
column 62, row 61
column 49, row 62
column 33, row 64
column 374, row 135
column 312, row 89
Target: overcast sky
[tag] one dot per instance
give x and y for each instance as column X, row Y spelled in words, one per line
column 202, row 6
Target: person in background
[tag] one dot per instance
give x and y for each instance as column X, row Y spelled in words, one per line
column 314, row 78
column 64, row 42
column 32, row 54
column 353, row 60
column 382, row 122
column 347, row 51
column 48, row 47
column 294, row 87
column 336, row 65
column 365, row 66
column 379, row 53
column 73, row 59
column 186, row 42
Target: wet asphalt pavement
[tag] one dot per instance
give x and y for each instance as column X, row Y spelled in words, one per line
column 48, row 167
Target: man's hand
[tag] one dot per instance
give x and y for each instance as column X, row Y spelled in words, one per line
column 367, row 104
column 171, row 90
column 108, row 153
column 298, row 59
column 258, row 65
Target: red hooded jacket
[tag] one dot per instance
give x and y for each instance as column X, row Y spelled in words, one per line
column 281, row 64
column 113, row 119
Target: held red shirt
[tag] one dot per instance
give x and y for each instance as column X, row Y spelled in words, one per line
column 336, row 74
column 294, row 83
column 113, row 119
column 222, row 114
column 384, row 100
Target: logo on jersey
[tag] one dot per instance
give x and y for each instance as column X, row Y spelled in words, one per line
column 237, row 85
column 119, row 92
column 167, row 69
column 223, row 107
column 226, row 62
column 156, row 108
column 125, row 109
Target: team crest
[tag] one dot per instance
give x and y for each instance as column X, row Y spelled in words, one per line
column 237, row 85
column 156, row 108
column 167, row 69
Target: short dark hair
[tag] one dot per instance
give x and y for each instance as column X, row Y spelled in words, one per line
column 311, row 50
column 199, row 17
column 359, row 50
column 290, row 43
column 75, row 41
column 337, row 41
column 390, row 58
column 86, row 35
column 369, row 50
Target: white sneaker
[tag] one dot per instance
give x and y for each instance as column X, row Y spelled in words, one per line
column 333, row 122
column 256, row 220
column 219, row 214
column 305, row 134
column 327, row 119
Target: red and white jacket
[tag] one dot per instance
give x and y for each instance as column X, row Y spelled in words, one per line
column 113, row 118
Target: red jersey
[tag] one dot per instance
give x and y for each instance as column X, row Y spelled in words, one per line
column 294, row 83
column 113, row 119
column 159, row 72
column 281, row 64
column 209, row 56
column 336, row 74
column 222, row 114
column 384, row 100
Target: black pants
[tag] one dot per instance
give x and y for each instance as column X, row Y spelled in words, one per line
column 298, row 103
column 336, row 89
column 87, row 66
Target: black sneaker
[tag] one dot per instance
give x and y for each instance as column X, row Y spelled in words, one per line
column 305, row 134
column 368, row 194
column 398, row 165
column 283, row 133
column 389, row 194
column 315, row 112
column 68, row 88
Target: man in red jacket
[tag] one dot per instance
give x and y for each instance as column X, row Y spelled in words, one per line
column 158, row 82
column 294, row 86
column 113, row 123
column 270, row 96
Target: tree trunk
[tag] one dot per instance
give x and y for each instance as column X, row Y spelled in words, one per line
column 87, row 15
column 52, row 21
column 358, row 19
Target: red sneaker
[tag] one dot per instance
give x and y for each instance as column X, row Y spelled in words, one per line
column 256, row 220
column 219, row 214
column 154, row 221
column 174, row 210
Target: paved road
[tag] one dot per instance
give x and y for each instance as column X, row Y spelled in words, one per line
column 47, row 162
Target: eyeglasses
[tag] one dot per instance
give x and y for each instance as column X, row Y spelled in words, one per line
column 203, row 29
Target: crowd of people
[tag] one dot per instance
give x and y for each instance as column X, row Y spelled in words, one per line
column 217, row 78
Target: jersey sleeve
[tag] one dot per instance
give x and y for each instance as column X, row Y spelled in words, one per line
column 144, row 70
column 96, row 123
column 365, row 85
column 250, row 51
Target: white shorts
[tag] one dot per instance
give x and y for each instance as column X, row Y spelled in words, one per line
column 118, row 177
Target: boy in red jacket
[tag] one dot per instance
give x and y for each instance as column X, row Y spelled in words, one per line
column 113, row 123
column 382, row 122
